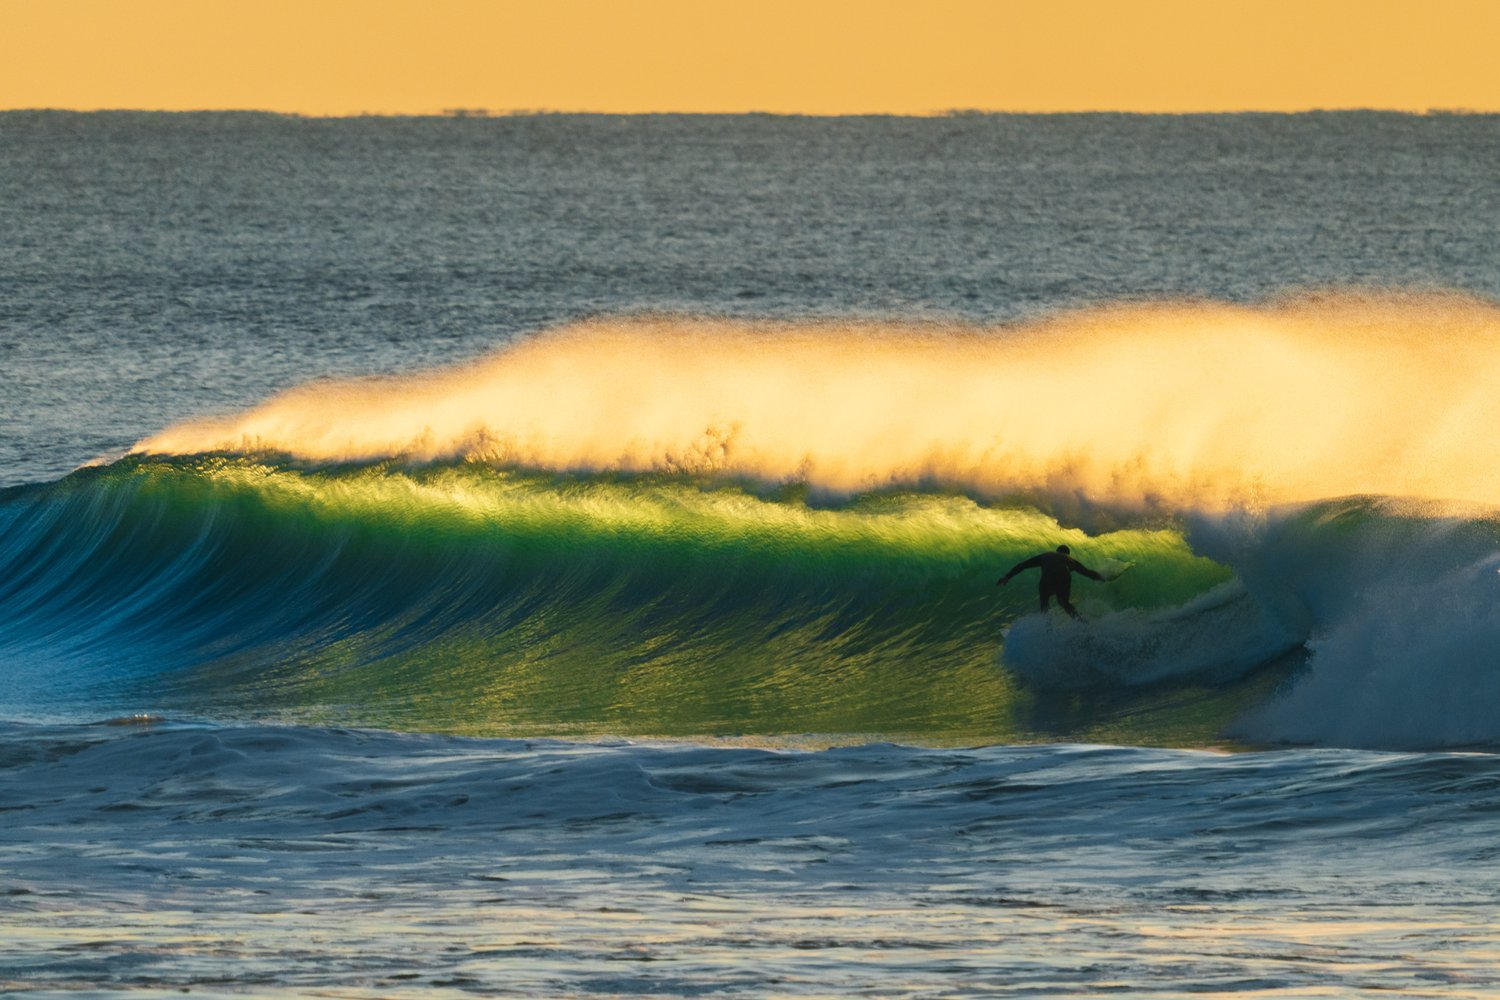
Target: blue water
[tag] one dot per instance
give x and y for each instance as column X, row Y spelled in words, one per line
column 627, row 625
column 288, row 861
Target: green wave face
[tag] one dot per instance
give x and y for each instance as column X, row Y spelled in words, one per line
column 463, row 599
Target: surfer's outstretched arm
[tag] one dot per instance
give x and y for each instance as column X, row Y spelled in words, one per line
column 1031, row 563
column 1079, row 567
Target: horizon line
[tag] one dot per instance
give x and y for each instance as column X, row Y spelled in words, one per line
column 484, row 112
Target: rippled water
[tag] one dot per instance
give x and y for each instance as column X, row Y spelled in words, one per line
column 289, row 862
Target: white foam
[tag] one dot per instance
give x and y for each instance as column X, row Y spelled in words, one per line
column 1412, row 661
column 1400, row 602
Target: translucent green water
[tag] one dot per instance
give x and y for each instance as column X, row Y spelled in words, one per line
column 462, row 598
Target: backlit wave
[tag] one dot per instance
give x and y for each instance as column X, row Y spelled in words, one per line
column 460, row 598
column 692, row 526
column 456, row 597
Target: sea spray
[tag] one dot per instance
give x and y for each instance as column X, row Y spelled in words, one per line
column 1171, row 408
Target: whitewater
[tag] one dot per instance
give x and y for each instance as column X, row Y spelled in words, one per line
column 501, row 573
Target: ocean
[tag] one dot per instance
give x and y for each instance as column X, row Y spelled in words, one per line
column 556, row 555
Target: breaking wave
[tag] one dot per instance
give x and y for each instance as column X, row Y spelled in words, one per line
column 676, row 526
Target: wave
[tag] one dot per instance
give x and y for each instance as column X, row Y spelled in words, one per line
column 675, row 527
column 462, row 597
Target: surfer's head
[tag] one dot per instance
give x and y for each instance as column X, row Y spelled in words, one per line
column 1063, row 549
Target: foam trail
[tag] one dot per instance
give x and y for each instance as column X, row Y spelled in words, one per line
column 1183, row 406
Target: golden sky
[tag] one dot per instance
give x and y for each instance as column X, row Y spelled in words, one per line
column 342, row 57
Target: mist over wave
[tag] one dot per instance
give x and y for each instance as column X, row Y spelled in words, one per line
column 1167, row 407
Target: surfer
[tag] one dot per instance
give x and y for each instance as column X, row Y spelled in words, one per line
column 1057, row 576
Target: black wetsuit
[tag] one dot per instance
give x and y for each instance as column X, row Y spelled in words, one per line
column 1057, row 577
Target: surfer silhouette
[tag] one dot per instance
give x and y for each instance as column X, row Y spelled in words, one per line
column 1057, row 576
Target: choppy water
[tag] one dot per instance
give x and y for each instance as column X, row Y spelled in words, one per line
column 298, row 861
column 415, row 448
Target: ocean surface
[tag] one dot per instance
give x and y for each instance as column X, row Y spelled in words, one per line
column 555, row 555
